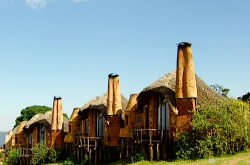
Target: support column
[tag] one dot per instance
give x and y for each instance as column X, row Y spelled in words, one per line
column 158, row 151
column 151, row 152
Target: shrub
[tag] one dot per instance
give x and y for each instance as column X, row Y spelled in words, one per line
column 43, row 154
column 1, row 155
column 52, row 155
column 136, row 157
column 12, row 157
column 68, row 162
column 85, row 161
column 216, row 130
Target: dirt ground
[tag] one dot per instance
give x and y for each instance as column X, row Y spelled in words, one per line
column 244, row 159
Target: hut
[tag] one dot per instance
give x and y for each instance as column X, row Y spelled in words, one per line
column 167, row 105
column 8, row 141
column 16, row 138
column 93, row 118
column 19, row 136
column 74, row 132
column 49, row 128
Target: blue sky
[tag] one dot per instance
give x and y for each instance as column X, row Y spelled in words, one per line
column 68, row 47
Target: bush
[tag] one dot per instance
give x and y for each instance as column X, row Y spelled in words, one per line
column 136, row 157
column 85, row 160
column 1, row 155
column 43, row 154
column 68, row 162
column 12, row 157
column 216, row 130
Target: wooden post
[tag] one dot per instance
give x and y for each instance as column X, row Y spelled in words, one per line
column 96, row 152
column 144, row 151
column 158, row 151
column 127, row 149
column 164, row 151
column 122, row 148
column 151, row 152
column 90, row 156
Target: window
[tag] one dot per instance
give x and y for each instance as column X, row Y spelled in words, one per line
column 100, row 125
column 138, row 119
column 30, row 140
column 126, row 120
column 70, row 128
column 86, row 127
column 42, row 133
column 16, row 140
column 163, row 115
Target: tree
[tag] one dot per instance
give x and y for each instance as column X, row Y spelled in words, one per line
column 29, row 112
column 245, row 97
column 220, row 89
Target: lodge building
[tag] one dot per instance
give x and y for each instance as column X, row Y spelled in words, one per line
column 109, row 127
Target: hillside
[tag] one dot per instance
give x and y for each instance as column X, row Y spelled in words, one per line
column 2, row 137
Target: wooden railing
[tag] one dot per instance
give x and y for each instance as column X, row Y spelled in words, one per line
column 149, row 135
column 87, row 142
column 26, row 152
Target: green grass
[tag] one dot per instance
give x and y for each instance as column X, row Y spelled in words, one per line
column 237, row 159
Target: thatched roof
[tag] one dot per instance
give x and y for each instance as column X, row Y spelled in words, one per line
column 33, row 120
column 46, row 119
column 74, row 116
column 166, row 87
column 18, row 129
column 100, row 103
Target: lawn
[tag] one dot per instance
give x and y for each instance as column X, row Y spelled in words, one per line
column 238, row 159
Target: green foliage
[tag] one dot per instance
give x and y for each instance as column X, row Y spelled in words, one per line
column 245, row 97
column 220, row 89
column 216, row 130
column 29, row 112
column 43, row 154
column 136, row 157
column 85, row 161
column 1, row 155
column 68, row 162
column 52, row 155
column 12, row 157
column 65, row 115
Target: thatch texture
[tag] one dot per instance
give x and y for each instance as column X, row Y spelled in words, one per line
column 165, row 86
column 132, row 102
column 20, row 127
column 100, row 103
column 33, row 120
column 45, row 119
column 74, row 116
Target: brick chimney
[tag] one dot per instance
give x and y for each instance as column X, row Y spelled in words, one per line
column 114, row 111
column 185, row 74
column 57, row 123
column 114, row 103
column 186, row 90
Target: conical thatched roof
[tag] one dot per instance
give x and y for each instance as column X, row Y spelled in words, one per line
column 166, row 87
column 46, row 119
column 100, row 103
